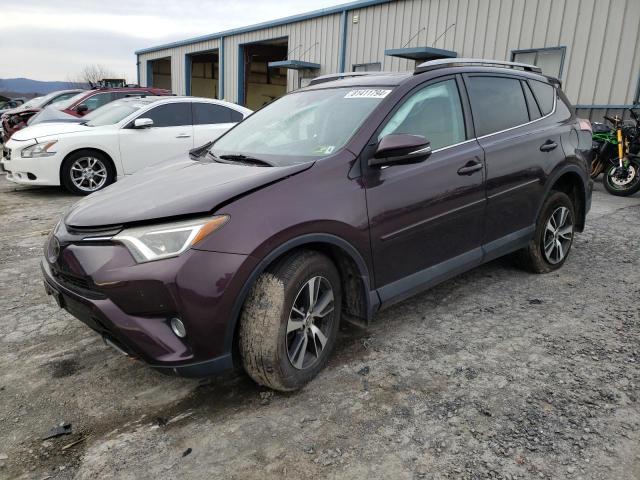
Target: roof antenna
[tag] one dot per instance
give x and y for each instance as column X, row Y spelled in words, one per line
column 413, row 36
column 442, row 34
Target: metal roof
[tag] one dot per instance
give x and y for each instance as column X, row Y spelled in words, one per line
column 272, row 23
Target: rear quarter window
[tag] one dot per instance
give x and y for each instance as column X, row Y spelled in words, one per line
column 544, row 94
column 497, row 103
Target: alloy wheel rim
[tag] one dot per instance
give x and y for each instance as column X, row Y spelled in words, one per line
column 622, row 182
column 558, row 235
column 88, row 174
column 310, row 322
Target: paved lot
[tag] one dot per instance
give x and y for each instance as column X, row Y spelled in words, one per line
column 496, row 374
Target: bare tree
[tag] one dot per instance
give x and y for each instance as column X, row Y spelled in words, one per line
column 92, row 74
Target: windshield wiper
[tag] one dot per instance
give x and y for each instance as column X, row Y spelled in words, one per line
column 196, row 153
column 246, row 159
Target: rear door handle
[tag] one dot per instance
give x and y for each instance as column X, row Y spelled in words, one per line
column 183, row 135
column 548, row 146
column 470, row 167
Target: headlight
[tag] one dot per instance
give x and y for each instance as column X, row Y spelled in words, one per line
column 39, row 150
column 154, row 242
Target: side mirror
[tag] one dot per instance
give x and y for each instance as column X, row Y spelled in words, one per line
column 82, row 109
column 142, row 123
column 400, row 149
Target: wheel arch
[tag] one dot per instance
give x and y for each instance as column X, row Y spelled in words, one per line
column 573, row 181
column 359, row 300
column 88, row 149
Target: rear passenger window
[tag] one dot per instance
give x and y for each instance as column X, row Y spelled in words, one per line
column 534, row 111
column 497, row 103
column 435, row 112
column 208, row 113
column 544, row 93
column 236, row 116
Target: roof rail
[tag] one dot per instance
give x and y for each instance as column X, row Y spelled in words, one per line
column 463, row 62
column 335, row 76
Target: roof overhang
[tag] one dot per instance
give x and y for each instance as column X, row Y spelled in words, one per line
column 421, row 54
column 294, row 65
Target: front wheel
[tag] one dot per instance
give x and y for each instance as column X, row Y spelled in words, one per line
column 623, row 182
column 86, row 171
column 555, row 228
column 289, row 322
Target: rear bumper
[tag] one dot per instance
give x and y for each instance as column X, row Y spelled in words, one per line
column 148, row 336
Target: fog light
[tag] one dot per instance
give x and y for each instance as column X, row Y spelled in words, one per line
column 178, row 327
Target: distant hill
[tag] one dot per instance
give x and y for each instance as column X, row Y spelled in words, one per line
column 26, row 85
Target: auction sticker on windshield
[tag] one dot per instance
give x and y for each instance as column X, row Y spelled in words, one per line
column 368, row 93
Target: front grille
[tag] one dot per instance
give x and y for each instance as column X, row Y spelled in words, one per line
column 77, row 284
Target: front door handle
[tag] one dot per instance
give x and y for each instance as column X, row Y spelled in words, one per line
column 548, row 146
column 470, row 167
column 183, row 135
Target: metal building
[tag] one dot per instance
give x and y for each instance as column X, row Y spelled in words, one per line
column 590, row 45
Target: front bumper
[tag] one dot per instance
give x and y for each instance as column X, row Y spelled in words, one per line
column 30, row 171
column 133, row 314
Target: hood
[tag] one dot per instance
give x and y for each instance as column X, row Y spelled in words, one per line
column 182, row 187
column 48, row 129
column 20, row 109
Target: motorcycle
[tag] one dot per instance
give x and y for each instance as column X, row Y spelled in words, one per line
column 616, row 154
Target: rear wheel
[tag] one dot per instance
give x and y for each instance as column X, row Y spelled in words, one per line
column 289, row 322
column 86, row 171
column 555, row 228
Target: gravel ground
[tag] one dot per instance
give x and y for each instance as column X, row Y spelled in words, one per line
column 495, row 374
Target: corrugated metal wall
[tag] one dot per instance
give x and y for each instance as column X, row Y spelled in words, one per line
column 324, row 30
column 177, row 62
column 601, row 66
column 301, row 36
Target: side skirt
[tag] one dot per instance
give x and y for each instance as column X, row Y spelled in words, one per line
column 423, row 280
column 408, row 286
column 508, row 244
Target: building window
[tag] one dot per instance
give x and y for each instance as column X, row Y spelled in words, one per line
column 368, row 67
column 550, row 60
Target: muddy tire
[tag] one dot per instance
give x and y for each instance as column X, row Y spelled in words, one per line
column 555, row 229
column 289, row 322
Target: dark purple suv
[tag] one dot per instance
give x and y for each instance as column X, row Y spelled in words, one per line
column 329, row 204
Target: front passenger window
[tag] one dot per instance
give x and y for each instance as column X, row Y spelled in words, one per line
column 435, row 112
column 170, row 115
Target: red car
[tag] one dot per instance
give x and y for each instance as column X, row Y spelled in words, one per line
column 76, row 106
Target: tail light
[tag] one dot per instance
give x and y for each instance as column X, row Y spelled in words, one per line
column 585, row 125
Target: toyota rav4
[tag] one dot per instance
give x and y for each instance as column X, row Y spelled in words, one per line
column 331, row 203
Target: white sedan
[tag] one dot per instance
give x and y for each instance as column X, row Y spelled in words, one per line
column 116, row 140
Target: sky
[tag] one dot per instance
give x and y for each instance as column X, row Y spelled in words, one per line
column 56, row 39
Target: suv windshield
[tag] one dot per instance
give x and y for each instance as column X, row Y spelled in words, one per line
column 312, row 123
column 111, row 113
